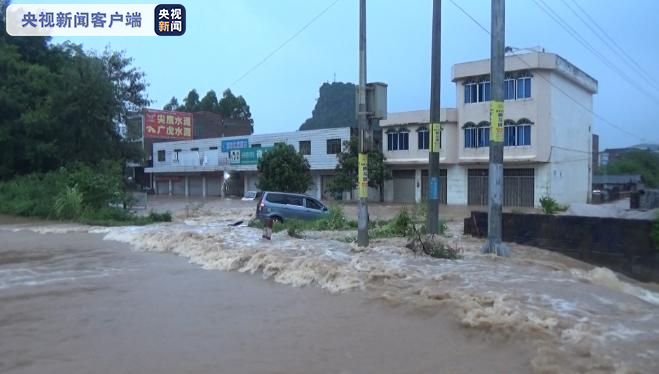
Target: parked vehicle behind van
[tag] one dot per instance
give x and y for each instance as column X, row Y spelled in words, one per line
column 281, row 206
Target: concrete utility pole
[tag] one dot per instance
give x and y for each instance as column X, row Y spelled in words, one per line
column 432, row 221
column 364, row 141
column 494, row 244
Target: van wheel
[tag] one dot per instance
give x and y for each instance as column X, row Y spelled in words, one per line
column 277, row 219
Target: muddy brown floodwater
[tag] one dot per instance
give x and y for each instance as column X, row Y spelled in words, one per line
column 71, row 302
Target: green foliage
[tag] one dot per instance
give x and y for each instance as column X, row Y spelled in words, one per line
column 654, row 233
column 419, row 241
column 643, row 162
column 68, row 203
column 60, row 104
column 295, row 228
column 160, row 217
column 346, row 169
column 284, row 169
column 229, row 106
column 549, row 205
column 76, row 193
column 335, row 107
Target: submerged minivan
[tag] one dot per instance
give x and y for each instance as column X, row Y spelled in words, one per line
column 281, row 206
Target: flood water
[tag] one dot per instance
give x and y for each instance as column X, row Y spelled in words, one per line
column 191, row 297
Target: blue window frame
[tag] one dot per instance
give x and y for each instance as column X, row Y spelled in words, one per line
column 509, row 88
column 423, row 138
column 509, row 133
column 471, row 93
column 392, row 140
column 524, row 132
column 470, row 137
column 484, row 91
column 484, row 134
column 523, row 87
column 403, row 140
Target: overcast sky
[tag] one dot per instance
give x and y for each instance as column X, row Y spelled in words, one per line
column 224, row 39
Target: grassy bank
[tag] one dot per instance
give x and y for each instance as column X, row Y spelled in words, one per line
column 79, row 194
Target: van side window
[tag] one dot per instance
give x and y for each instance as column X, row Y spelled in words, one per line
column 294, row 200
column 313, row 204
column 275, row 198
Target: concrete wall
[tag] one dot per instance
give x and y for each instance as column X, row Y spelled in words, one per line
column 570, row 141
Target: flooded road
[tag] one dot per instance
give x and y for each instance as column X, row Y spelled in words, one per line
column 71, row 302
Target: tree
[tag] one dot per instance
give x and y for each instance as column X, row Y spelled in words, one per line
column 346, row 169
column 172, row 105
column 231, row 106
column 643, row 162
column 209, row 102
column 335, row 107
column 191, row 102
column 284, row 169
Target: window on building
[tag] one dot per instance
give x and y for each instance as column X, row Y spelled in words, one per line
column 524, row 132
column 194, row 149
column 509, row 133
column 403, row 140
column 484, row 91
column 509, row 88
column 177, row 152
column 484, row 134
column 471, row 92
column 392, row 140
column 305, row 147
column 213, row 148
column 333, row 146
column 424, row 137
column 161, row 155
column 470, row 135
column 524, row 86
column 256, row 145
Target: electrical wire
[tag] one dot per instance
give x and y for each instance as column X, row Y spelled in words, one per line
column 547, row 9
column 612, row 41
column 604, row 120
column 282, row 45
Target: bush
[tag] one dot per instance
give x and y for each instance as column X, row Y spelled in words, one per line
column 431, row 245
column 160, row 217
column 68, row 203
column 549, row 205
column 295, row 228
column 654, row 233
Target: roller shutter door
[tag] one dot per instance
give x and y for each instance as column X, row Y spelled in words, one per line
column 162, row 187
column 195, row 186
column 477, row 186
column 403, row 186
column 178, row 187
column 518, row 187
column 213, row 185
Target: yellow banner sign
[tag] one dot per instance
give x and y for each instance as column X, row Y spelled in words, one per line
column 435, row 137
column 496, row 121
column 362, row 175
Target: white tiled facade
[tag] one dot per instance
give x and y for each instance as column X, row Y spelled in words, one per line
column 201, row 162
column 556, row 112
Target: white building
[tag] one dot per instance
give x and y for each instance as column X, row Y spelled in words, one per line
column 548, row 134
column 200, row 167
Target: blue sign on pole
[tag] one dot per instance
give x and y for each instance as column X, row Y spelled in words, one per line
column 433, row 191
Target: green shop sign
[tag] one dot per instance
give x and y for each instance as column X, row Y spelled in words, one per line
column 246, row 156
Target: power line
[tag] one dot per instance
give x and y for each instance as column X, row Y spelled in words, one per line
column 282, row 45
column 606, row 121
column 619, row 48
column 547, row 9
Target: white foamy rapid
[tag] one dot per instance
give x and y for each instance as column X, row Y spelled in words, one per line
column 581, row 319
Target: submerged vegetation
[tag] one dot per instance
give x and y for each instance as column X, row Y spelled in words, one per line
column 78, row 193
column 402, row 225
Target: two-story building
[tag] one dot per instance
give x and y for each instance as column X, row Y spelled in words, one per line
column 547, row 136
column 227, row 165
